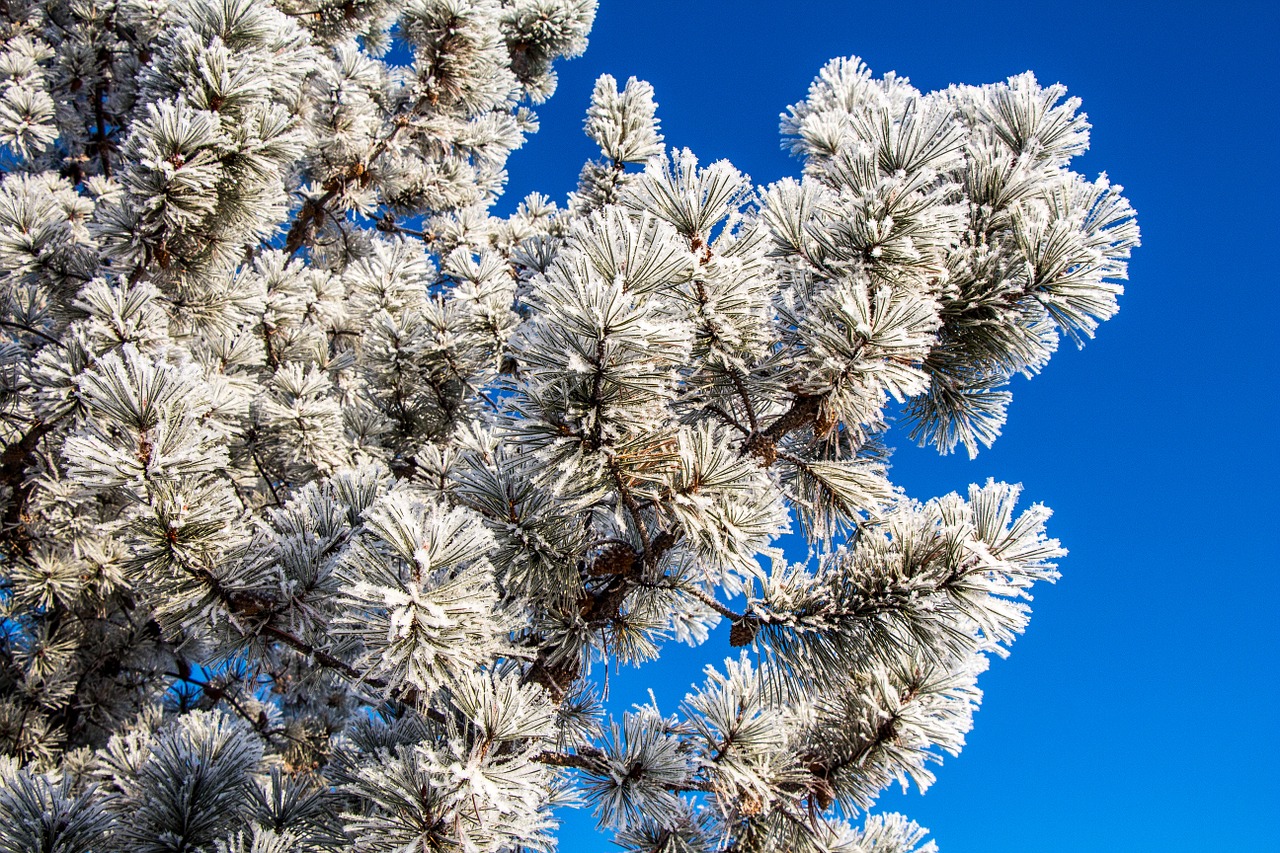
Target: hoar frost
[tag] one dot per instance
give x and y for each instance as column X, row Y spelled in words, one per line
column 324, row 489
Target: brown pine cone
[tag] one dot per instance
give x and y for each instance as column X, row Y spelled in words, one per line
column 612, row 558
column 743, row 631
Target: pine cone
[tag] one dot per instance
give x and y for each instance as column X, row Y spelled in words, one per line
column 612, row 558
column 743, row 631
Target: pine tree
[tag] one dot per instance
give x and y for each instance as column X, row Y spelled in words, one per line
column 323, row 487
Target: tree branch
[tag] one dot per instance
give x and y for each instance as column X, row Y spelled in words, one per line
column 23, row 327
column 803, row 412
column 13, row 472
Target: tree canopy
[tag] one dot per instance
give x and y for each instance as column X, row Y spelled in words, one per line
column 324, row 487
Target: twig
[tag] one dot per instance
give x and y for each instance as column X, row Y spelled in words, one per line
column 746, row 400
column 319, row 655
column 275, row 495
column 710, row 601
column 32, row 331
column 633, row 509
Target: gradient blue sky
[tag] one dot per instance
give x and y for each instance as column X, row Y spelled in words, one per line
column 1140, row 711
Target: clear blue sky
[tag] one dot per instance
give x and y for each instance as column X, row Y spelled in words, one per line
column 1140, row 711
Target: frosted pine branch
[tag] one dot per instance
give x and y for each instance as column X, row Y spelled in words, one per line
column 324, row 488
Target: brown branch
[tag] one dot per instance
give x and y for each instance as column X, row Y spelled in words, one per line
column 257, row 463
column 257, row 607
column 710, row 600
column 746, row 400
column 217, row 694
column 100, row 93
column 13, row 472
column 556, row 678
column 23, row 327
column 319, row 655
column 589, row 759
column 804, row 411
column 727, row 418
column 592, row 760
column 633, row 509
column 700, row 594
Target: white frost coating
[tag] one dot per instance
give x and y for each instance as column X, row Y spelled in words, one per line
column 325, row 494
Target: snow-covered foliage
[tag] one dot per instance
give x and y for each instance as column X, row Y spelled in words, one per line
column 322, row 488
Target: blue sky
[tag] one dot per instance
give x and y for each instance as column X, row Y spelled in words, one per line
column 1139, row 712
